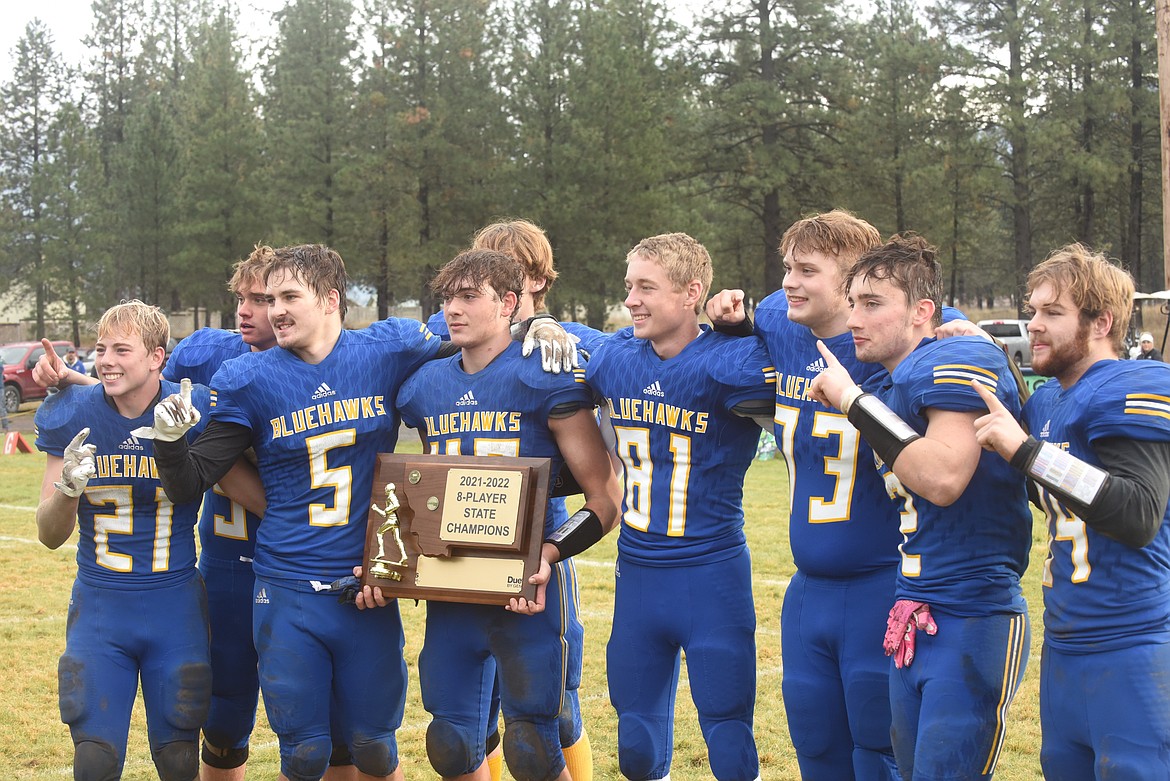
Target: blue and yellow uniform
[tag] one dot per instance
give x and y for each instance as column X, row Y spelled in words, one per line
column 572, row 724
column 227, row 541
column 316, row 429
column 965, row 561
column 501, row 410
column 844, row 538
column 1104, row 712
column 138, row 606
column 685, row 453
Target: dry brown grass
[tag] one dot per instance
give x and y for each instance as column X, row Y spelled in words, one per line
column 35, row 589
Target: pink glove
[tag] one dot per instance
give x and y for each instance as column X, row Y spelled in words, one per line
column 906, row 618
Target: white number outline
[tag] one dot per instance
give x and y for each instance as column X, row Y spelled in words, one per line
column 321, row 475
column 843, row 466
column 121, row 521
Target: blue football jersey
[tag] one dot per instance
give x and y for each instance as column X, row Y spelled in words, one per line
column 131, row 535
column 316, row 429
column 841, row 523
column 684, row 451
column 1100, row 594
column 226, row 530
column 501, row 410
column 966, row 558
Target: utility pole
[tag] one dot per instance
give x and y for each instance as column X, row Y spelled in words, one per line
column 1163, row 25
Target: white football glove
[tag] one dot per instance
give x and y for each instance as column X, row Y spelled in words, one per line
column 77, row 466
column 558, row 347
column 174, row 416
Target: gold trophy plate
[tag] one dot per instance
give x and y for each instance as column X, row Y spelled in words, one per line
column 456, row 528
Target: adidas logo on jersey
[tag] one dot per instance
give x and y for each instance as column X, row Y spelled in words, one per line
column 1044, row 431
column 131, row 443
column 653, row 389
column 262, row 597
column 467, row 400
column 816, row 366
column 324, row 390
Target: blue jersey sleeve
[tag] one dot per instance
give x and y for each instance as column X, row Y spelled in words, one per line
column 1135, row 404
column 942, row 378
column 437, row 324
column 745, row 371
column 199, row 356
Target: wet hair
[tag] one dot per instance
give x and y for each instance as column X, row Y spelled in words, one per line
column 911, row 263
column 316, row 266
column 480, row 268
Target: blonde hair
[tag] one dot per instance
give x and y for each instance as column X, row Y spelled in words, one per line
column 1095, row 284
column 528, row 244
column 136, row 317
column 250, row 270
column 684, row 260
column 836, row 233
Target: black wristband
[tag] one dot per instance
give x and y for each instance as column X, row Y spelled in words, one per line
column 744, row 327
column 577, row 534
column 1025, row 455
column 887, row 434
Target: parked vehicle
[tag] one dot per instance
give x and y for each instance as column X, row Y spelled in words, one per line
column 19, row 359
column 1014, row 334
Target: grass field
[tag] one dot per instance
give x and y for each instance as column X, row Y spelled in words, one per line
column 34, row 592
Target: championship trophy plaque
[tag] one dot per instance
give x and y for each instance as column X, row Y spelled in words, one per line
column 456, row 528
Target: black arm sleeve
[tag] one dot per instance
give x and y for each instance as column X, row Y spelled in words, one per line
column 446, row 350
column 187, row 471
column 755, row 408
column 1132, row 502
column 744, row 328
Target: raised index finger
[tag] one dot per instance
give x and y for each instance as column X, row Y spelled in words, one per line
column 990, row 399
column 49, row 351
column 830, row 359
column 79, row 439
column 185, row 391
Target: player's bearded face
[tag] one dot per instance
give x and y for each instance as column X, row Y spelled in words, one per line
column 812, row 285
column 1060, row 339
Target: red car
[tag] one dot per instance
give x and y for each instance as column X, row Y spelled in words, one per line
column 19, row 358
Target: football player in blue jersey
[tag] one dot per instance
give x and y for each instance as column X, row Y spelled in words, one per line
column 1098, row 461
column 528, row 244
column 138, row 607
column 227, row 535
column 552, row 416
column 958, row 631
column 316, row 409
column 843, row 532
column 681, row 399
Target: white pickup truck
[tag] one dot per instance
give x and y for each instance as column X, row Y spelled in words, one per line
column 1014, row 334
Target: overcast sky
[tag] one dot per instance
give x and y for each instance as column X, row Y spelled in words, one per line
column 70, row 21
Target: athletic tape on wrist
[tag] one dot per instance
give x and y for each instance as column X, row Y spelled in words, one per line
column 885, row 432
